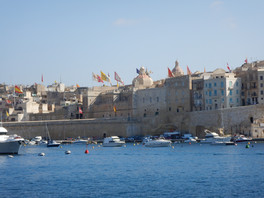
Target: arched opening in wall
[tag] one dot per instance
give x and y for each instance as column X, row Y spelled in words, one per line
column 251, row 119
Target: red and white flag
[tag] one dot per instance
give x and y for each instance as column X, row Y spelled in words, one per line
column 188, row 71
column 80, row 110
column 118, row 79
column 170, row 74
column 246, row 61
column 228, row 68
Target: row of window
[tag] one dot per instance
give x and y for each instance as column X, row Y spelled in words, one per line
column 150, row 99
column 209, row 101
column 222, row 92
column 209, row 85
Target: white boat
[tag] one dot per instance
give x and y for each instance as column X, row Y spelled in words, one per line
column 241, row 138
column 148, row 142
column 9, row 144
column 214, row 138
column 190, row 140
column 80, row 141
column 37, row 139
column 113, row 141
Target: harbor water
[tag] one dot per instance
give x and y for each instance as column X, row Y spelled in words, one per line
column 182, row 170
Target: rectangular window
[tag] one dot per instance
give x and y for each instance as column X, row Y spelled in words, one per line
column 215, row 92
column 215, row 84
column 261, row 92
column 210, row 93
column 261, row 84
column 157, row 99
column 222, row 92
column 222, row 84
column 237, row 92
column 150, row 99
column 230, row 100
column 261, row 77
column 231, row 92
column 210, row 85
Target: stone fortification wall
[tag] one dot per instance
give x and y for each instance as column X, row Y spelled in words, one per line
column 62, row 129
column 232, row 120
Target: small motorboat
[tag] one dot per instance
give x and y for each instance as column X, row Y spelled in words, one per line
column 113, row 141
column 149, row 142
column 52, row 143
column 241, row 138
column 212, row 137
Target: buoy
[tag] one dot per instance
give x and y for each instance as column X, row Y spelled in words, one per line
column 41, row 154
column 172, row 147
column 247, row 146
column 93, row 147
column 10, row 156
column 190, row 143
column 67, row 152
column 124, row 145
column 134, row 144
column 60, row 146
column 86, row 151
column 248, row 142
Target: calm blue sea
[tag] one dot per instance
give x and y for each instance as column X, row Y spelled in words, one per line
column 134, row 171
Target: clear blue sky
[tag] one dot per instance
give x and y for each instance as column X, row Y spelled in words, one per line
column 69, row 40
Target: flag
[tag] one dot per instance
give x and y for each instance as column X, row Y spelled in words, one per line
column 94, row 77
column 8, row 101
column 7, row 114
column 204, row 70
column 188, row 71
column 228, row 67
column 77, row 85
column 80, row 110
column 246, row 61
column 99, row 79
column 17, row 90
column 170, row 74
column 42, row 78
column 114, row 108
column 118, row 79
column 105, row 77
column 137, row 71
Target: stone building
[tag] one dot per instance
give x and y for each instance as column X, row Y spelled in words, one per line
column 222, row 90
column 252, row 82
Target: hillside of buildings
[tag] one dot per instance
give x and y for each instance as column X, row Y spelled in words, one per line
column 171, row 102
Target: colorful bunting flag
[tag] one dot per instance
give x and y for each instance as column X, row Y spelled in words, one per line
column 77, row 85
column 114, row 109
column 105, row 77
column 7, row 114
column 99, row 79
column 17, row 90
column 94, row 77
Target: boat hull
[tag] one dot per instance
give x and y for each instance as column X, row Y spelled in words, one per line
column 112, row 144
column 157, row 144
column 11, row 147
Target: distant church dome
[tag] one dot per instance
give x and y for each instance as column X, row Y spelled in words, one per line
column 142, row 80
column 177, row 70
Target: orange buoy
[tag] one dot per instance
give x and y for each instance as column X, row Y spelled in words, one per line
column 86, row 151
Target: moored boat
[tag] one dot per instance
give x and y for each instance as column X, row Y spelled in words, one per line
column 148, row 142
column 9, row 144
column 113, row 141
column 212, row 137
